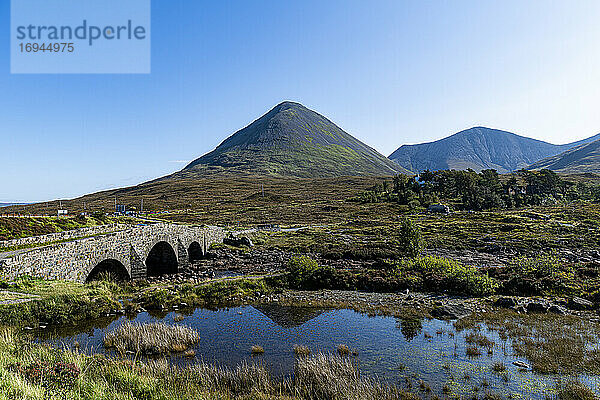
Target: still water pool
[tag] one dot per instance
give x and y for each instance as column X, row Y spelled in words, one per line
column 397, row 351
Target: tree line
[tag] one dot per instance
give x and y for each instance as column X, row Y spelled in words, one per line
column 470, row 190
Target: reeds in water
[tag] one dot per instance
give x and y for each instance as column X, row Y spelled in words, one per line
column 327, row 376
column 151, row 338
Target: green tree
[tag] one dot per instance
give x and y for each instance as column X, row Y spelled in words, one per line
column 410, row 239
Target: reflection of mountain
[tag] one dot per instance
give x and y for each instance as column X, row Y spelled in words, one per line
column 289, row 316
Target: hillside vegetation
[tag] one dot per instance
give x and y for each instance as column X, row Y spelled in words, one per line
column 479, row 148
column 291, row 140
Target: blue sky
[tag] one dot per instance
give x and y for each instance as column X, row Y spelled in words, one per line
column 388, row 72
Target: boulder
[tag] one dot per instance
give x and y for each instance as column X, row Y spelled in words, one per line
column 579, row 304
column 450, row 311
column 521, row 364
column 506, row 302
column 556, row 309
column 235, row 241
column 536, row 307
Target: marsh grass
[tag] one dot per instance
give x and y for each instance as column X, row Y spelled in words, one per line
column 498, row 367
column 326, row 376
column 343, row 350
column 479, row 339
column 301, row 351
column 574, row 390
column 152, row 338
column 553, row 344
column 473, row 351
column 178, row 318
column 321, row 376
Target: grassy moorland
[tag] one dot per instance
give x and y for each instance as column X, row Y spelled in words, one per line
column 15, row 228
column 368, row 234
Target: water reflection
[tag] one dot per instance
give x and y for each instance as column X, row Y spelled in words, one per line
column 394, row 350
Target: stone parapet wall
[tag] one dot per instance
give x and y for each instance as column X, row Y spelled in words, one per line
column 74, row 260
column 65, row 235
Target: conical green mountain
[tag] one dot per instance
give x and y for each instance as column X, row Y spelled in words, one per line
column 291, row 140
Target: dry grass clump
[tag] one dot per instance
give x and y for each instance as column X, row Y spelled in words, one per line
column 498, row 367
column 178, row 318
column 473, row 351
column 479, row 339
column 301, row 351
column 574, row 390
column 343, row 350
column 326, row 376
column 189, row 353
column 152, row 338
column 243, row 379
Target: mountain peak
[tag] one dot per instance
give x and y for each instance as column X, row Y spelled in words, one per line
column 288, row 104
column 582, row 158
column 477, row 148
column 292, row 140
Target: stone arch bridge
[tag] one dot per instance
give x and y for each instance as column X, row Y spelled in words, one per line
column 132, row 253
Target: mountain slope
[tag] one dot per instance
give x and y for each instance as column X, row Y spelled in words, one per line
column 291, row 140
column 478, row 148
column 582, row 158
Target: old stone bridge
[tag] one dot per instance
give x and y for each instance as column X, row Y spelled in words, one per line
column 128, row 253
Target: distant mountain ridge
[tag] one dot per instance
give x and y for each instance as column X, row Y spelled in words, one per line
column 11, row 204
column 291, row 140
column 579, row 159
column 479, row 148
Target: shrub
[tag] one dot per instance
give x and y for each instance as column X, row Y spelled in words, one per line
column 442, row 274
column 305, row 273
column 410, row 240
column 59, row 375
column 542, row 275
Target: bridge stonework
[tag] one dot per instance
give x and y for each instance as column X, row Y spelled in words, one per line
column 75, row 260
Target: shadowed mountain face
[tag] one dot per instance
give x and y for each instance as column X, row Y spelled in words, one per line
column 580, row 159
column 479, row 148
column 288, row 316
column 291, row 140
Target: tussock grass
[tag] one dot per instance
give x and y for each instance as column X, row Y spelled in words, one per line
column 574, row 390
column 473, row 351
column 301, row 351
column 498, row 367
column 153, row 338
column 479, row 339
column 326, row 376
column 553, row 344
column 343, row 350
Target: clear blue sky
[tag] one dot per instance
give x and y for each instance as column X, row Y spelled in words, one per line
column 388, row 72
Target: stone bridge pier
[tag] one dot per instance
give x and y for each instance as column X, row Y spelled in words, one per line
column 131, row 253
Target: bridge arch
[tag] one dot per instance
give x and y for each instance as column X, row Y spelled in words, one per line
column 110, row 268
column 161, row 259
column 195, row 251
